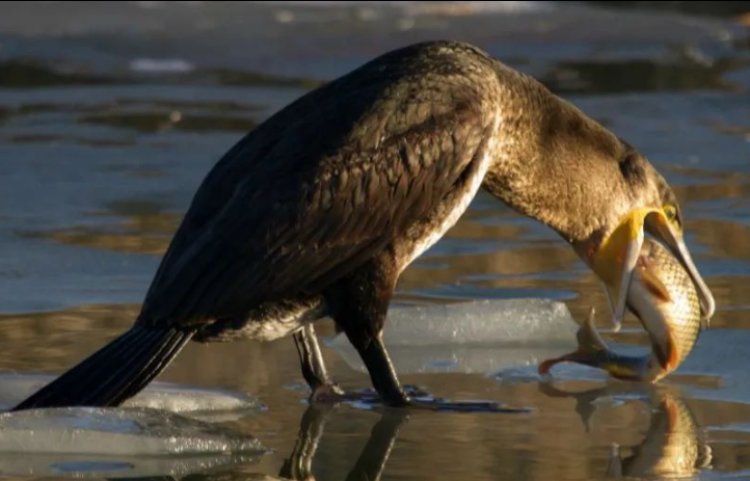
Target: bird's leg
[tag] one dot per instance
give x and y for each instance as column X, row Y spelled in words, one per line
column 386, row 383
column 382, row 372
column 313, row 365
column 359, row 304
column 359, row 326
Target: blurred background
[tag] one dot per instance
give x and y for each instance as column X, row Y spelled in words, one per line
column 112, row 113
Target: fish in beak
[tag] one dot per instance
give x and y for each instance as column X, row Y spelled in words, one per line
column 658, row 224
column 615, row 258
column 663, row 296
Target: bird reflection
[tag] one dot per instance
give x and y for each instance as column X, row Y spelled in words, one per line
column 371, row 462
column 674, row 446
column 299, row 466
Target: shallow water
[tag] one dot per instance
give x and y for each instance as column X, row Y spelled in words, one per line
column 110, row 116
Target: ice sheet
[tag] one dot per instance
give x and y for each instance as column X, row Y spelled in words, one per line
column 77, row 466
column 162, row 431
column 116, row 442
column 115, row 431
column 505, row 321
column 481, row 336
column 190, row 401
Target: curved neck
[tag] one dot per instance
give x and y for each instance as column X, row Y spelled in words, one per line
column 551, row 160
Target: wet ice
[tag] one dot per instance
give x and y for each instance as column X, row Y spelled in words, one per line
column 189, row 401
column 480, row 336
column 116, row 431
column 166, row 429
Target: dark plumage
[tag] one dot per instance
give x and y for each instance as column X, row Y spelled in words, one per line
column 320, row 208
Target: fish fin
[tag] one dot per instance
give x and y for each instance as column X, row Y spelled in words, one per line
column 588, row 337
column 655, row 286
column 667, row 353
column 589, row 343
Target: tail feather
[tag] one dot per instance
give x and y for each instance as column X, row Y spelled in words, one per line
column 157, row 363
column 122, row 371
column 73, row 386
column 115, row 372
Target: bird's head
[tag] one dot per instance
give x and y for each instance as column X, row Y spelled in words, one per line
column 613, row 250
column 555, row 164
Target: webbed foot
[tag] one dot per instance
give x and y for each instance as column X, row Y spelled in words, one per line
column 327, row 393
column 414, row 398
column 425, row 401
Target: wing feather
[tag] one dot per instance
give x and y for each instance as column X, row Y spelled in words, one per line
column 324, row 184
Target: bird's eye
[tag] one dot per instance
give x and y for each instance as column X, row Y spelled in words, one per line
column 671, row 212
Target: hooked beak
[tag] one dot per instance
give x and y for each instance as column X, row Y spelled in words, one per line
column 658, row 226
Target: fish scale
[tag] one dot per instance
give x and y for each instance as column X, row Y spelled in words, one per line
column 683, row 308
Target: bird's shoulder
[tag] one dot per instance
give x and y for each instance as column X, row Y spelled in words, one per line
column 429, row 91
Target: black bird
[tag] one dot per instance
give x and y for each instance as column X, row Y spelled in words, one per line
column 318, row 210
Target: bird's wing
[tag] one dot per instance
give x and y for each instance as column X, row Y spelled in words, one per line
column 323, row 185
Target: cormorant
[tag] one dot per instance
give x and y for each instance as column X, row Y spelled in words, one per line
column 319, row 209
